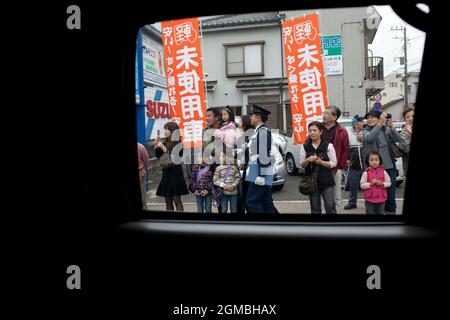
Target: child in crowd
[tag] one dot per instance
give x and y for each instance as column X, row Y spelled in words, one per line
column 374, row 182
column 201, row 184
column 228, row 132
column 227, row 177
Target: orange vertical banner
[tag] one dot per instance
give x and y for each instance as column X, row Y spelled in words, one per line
column 186, row 90
column 305, row 73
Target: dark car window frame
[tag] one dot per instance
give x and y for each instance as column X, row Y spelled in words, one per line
column 406, row 218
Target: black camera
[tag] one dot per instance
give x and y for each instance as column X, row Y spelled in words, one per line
column 389, row 116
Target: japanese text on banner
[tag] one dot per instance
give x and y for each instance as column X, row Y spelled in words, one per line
column 305, row 73
column 183, row 61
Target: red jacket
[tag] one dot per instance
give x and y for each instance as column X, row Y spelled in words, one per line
column 341, row 145
column 375, row 194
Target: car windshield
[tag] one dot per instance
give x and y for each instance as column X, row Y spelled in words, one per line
column 204, row 83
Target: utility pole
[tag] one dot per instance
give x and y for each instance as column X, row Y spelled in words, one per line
column 405, row 61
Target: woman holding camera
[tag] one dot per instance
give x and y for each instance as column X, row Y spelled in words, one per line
column 379, row 136
column 408, row 115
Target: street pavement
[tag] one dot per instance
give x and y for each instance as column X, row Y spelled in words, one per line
column 288, row 200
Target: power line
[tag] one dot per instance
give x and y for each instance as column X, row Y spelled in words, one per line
column 405, row 58
column 384, row 38
column 382, row 50
column 415, row 38
column 412, row 64
column 393, row 55
column 394, row 52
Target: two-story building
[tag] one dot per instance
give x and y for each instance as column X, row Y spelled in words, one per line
column 244, row 64
column 392, row 96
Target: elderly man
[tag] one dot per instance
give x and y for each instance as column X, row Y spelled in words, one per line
column 337, row 135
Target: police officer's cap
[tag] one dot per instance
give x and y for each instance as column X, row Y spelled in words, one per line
column 259, row 110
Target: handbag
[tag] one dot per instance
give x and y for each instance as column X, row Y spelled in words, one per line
column 308, row 184
column 165, row 161
column 396, row 151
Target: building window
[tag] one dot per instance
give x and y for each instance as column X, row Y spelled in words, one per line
column 384, row 94
column 237, row 110
column 393, row 84
column 272, row 103
column 244, row 59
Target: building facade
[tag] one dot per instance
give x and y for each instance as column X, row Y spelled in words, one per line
column 392, row 96
column 157, row 111
column 244, row 63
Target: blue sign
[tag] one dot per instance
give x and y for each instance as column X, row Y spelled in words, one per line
column 377, row 106
column 149, row 128
column 140, row 110
column 158, row 95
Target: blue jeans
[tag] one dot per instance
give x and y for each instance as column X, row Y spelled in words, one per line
column 259, row 199
column 375, row 208
column 232, row 199
column 328, row 201
column 391, row 205
column 204, row 204
column 354, row 178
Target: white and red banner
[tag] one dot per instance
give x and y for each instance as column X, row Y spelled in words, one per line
column 183, row 62
column 305, row 73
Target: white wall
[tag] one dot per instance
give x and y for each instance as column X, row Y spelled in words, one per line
column 331, row 23
column 214, row 61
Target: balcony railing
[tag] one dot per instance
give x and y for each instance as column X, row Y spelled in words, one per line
column 374, row 68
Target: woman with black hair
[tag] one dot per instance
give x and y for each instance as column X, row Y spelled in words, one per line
column 318, row 154
column 172, row 185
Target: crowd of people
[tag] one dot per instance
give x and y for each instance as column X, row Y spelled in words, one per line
column 233, row 171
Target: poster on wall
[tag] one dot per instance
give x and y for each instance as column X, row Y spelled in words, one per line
column 153, row 61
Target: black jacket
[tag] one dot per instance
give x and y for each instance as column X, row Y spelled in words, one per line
column 325, row 178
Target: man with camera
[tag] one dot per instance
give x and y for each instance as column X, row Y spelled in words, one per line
column 379, row 135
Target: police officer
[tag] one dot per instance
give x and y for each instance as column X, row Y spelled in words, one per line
column 260, row 168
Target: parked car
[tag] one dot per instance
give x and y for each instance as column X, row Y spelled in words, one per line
column 280, row 176
column 281, row 142
column 292, row 155
column 280, row 166
column 398, row 125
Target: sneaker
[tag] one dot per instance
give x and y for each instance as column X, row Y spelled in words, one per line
column 350, row 206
